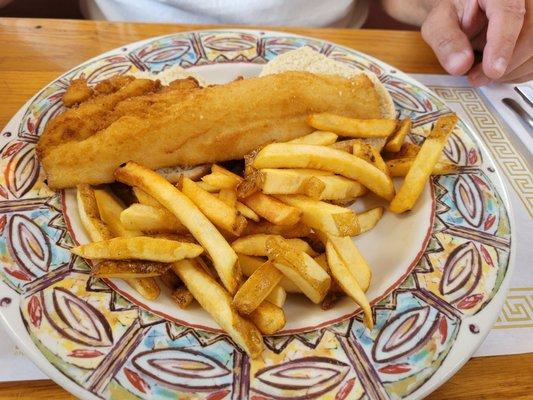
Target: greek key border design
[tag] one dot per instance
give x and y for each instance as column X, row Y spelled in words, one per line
column 510, row 161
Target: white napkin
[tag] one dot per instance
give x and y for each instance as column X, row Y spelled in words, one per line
column 494, row 95
column 513, row 332
column 16, row 366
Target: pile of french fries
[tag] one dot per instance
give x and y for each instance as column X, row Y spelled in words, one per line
column 238, row 243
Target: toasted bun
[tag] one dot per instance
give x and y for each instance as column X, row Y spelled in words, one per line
column 170, row 74
column 173, row 174
column 308, row 60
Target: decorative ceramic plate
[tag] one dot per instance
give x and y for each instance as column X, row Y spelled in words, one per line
column 439, row 272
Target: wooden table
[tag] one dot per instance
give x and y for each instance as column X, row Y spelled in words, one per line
column 34, row 52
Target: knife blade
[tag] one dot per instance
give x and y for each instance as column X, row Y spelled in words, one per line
column 526, row 92
column 522, row 114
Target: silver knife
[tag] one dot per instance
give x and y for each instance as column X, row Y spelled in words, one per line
column 526, row 92
column 522, row 114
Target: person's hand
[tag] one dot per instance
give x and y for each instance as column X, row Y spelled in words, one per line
column 501, row 29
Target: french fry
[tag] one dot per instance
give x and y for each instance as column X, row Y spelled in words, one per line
column 170, row 279
column 249, row 264
column 217, row 211
column 217, row 302
column 347, row 145
column 301, row 282
column 369, row 218
column 182, row 297
column 352, row 258
column 249, row 185
column 408, row 150
column 300, row 268
column 348, row 283
column 246, row 211
column 287, row 231
column 98, row 230
column 223, row 256
column 322, row 260
column 339, row 188
column 306, row 172
column 423, row 165
column 268, row 318
column 263, row 205
column 272, row 210
column 146, row 287
column 282, row 155
column 289, row 181
column 245, row 187
column 138, row 248
column 320, row 185
column 207, row 266
column 221, row 178
column 277, row 296
column 256, row 245
column 145, row 198
column 395, row 143
column 110, row 208
column 401, row 166
column 369, row 153
column 323, row 216
column 228, row 196
column 207, row 187
column 252, row 182
column 141, row 217
column 217, row 169
column 219, row 181
column 249, row 160
column 363, row 151
column 347, row 203
column 289, row 286
column 317, row 138
column 89, row 214
column 126, row 269
column 344, row 145
column 177, row 237
column 157, row 220
column 256, row 288
column 353, row 127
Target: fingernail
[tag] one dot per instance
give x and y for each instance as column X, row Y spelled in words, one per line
column 500, row 65
column 456, row 63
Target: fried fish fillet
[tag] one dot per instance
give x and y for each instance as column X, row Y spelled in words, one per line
column 77, row 93
column 81, row 122
column 134, row 97
column 111, row 85
column 213, row 124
